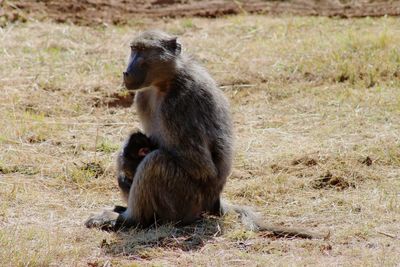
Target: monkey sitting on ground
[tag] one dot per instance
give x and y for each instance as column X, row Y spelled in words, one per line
column 184, row 112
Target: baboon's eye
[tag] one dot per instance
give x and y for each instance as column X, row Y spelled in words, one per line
column 137, row 48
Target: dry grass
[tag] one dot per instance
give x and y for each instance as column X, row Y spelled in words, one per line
column 316, row 105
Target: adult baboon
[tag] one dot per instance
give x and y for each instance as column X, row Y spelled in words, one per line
column 187, row 116
column 183, row 111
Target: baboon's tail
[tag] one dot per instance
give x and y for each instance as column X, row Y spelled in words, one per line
column 253, row 222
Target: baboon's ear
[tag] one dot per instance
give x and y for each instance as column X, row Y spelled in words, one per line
column 173, row 45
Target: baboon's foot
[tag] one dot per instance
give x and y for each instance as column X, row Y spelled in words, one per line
column 106, row 221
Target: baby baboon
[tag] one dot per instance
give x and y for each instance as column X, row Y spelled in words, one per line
column 182, row 111
column 136, row 147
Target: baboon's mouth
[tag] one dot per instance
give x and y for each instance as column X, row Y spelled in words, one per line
column 132, row 84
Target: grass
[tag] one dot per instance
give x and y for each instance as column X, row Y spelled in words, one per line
column 315, row 103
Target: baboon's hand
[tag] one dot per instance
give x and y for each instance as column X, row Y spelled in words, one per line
column 105, row 221
column 119, row 209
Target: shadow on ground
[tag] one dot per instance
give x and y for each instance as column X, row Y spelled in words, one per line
column 137, row 242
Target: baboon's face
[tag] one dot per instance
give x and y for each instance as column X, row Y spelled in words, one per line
column 137, row 147
column 152, row 59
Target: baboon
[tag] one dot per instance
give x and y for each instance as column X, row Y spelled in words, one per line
column 135, row 148
column 184, row 112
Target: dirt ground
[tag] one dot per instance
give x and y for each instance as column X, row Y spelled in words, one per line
column 92, row 12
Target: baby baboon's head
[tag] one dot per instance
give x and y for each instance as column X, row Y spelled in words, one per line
column 137, row 147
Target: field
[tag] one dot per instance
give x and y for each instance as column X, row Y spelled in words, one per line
column 315, row 102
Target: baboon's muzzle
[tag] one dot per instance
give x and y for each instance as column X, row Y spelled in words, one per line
column 133, row 80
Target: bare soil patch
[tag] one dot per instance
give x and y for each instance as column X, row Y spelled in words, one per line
column 92, row 12
column 116, row 100
column 331, row 181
